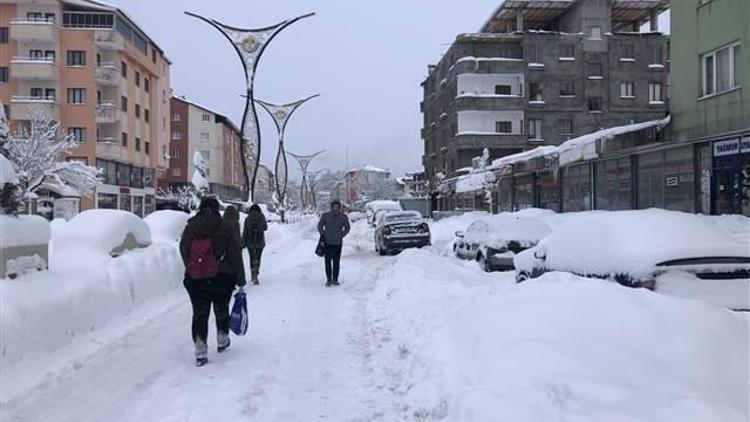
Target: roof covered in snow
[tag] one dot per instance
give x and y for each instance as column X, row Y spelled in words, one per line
column 539, row 152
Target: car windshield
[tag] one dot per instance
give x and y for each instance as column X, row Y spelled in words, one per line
column 410, row 215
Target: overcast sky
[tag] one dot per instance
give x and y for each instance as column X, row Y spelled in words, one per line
column 366, row 58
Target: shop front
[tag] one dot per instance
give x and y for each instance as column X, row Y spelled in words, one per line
column 731, row 176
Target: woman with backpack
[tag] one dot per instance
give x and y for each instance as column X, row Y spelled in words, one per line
column 212, row 254
column 254, row 239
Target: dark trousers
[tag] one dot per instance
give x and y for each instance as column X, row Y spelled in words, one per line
column 255, row 255
column 333, row 260
column 204, row 293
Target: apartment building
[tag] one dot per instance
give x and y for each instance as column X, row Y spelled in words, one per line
column 195, row 128
column 540, row 72
column 91, row 67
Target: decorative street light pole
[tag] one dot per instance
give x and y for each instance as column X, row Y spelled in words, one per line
column 304, row 163
column 313, row 177
column 281, row 113
column 250, row 45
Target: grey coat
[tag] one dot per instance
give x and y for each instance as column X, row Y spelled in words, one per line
column 253, row 234
column 334, row 226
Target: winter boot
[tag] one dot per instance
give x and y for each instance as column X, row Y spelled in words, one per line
column 223, row 342
column 201, row 353
column 329, row 283
column 255, row 278
column 335, row 283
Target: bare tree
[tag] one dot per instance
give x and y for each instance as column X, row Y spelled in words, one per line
column 39, row 153
column 185, row 196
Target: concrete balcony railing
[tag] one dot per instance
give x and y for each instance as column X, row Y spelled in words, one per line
column 109, row 39
column 33, row 30
column 490, row 102
column 107, row 74
column 112, row 150
column 34, row 68
column 21, row 107
column 107, row 113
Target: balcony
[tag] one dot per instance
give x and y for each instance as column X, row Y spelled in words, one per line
column 109, row 40
column 21, row 107
column 110, row 149
column 33, row 30
column 107, row 113
column 490, row 102
column 107, row 74
column 34, row 68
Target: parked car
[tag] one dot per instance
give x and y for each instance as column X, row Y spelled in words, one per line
column 399, row 230
column 372, row 208
column 494, row 241
column 634, row 248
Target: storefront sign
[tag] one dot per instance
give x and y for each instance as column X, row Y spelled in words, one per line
column 745, row 145
column 730, row 147
column 124, row 190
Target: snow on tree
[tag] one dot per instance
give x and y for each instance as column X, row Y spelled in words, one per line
column 4, row 132
column 200, row 175
column 9, row 191
column 39, row 153
column 185, row 196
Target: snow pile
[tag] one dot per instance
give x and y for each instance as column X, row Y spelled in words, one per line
column 584, row 147
column 498, row 230
column 24, row 230
column 475, row 181
column 444, row 231
column 101, row 230
column 166, row 225
column 465, row 346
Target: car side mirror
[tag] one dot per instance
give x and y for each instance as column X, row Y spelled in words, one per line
column 459, row 234
column 540, row 254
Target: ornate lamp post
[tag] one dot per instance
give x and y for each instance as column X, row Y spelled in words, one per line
column 313, row 177
column 250, row 45
column 281, row 113
column 304, row 163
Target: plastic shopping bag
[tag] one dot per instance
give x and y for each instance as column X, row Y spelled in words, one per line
column 238, row 320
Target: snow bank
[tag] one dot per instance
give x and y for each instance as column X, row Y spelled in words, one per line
column 166, row 225
column 101, row 230
column 24, row 230
column 461, row 345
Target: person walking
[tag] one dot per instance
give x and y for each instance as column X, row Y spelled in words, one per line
column 333, row 228
column 208, row 247
column 254, row 239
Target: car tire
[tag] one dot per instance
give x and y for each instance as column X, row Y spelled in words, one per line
column 522, row 276
column 483, row 263
column 382, row 251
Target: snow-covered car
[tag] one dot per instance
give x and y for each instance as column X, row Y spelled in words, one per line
column 399, row 230
column 495, row 241
column 634, row 248
column 372, row 208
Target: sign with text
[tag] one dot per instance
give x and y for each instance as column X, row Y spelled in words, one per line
column 729, row 147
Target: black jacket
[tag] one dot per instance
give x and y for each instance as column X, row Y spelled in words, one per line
column 227, row 247
column 253, row 234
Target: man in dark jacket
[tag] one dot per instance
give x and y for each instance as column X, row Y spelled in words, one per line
column 333, row 228
column 203, row 292
column 254, row 238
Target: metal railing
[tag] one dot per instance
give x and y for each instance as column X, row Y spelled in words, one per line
column 41, row 20
column 33, row 99
column 39, row 59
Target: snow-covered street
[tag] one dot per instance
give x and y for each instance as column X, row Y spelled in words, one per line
column 419, row 336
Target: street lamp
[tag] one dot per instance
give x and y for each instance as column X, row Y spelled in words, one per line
column 304, row 163
column 313, row 177
column 250, row 45
column 281, row 113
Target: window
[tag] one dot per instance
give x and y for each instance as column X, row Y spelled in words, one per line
column 137, row 78
column 535, row 128
column 147, row 147
column 107, row 201
column 176, row 136
column 50, row 93
column 176, row 116
column 594, row 70
column 627, row 52
column 137, row 111
column 534, row 54
column 565, row 126
column 137, row 144
column 737, row 65
column 206, row 117
column 125, row 201
column 146, row 84
column 627, row 90
column 502, row 89
column 657, row 54
column 4, row 35
column 76, row 58
column 124, row 103
column 76, row 95
column 177, row 172
column 204, row 137
column 567, row 89
column 146, row 115
column 124, row 139
column 595, row 103
column 3, row 74
column 177, row 153
column 503, row 127
column 654, row 93
column 153, row 55
column 37, row 93
column 535, row 91
column 206, row 154
column 78, row 133
column 124, row 69
column 595, row 32
column 567, row 50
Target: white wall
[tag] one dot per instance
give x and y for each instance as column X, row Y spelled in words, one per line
column 480, row 84
column 484, row 120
